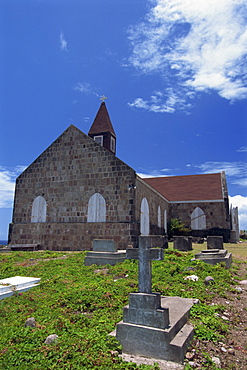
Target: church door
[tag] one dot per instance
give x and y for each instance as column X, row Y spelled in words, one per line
column 198, row 219
column 39, row 210
column 96, row 208
column 144, row 227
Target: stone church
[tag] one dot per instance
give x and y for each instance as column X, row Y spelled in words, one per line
column 77, row 190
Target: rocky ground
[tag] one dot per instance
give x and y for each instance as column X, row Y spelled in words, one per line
column 231, row 353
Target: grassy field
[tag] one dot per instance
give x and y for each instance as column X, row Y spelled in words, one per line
column 82, row 305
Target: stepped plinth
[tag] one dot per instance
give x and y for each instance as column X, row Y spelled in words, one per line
column 104, row 252
column 154, row 326
column 214, row 256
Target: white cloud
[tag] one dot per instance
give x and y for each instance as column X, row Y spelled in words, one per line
column 242, row 149
column 85, row 88
column 238, row 169
column 154, row 173
column 63, row 42
column 200, row 45
column 240, row 202
column 7, row 184
column 162, row 102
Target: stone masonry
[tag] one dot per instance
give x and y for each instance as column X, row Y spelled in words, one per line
column 66, row 175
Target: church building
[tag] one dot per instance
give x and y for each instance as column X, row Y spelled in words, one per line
column 77, row 190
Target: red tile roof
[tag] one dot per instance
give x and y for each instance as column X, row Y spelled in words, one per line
column 188, row 188
column 102, row 122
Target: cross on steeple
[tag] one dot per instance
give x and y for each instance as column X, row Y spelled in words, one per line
column 103, row 98
column 144, row 254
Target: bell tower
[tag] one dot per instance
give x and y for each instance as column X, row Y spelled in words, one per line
column 102, row 130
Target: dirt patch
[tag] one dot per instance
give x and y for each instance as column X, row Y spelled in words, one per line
column 231, row 352
column 33, row 261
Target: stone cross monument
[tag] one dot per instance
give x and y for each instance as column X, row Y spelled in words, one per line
column 144, row 254
column 153, row 326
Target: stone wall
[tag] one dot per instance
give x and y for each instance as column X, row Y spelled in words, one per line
column 217, row 217
column 215, row 213
column 154, row 201
column 73, row 236
column 66, row 175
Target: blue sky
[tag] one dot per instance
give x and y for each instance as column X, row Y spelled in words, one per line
column 174, row 72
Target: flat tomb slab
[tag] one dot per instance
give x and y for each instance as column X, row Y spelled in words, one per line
column 214, row 256
column 104, row 258
column 16, row 284
column 24, row 247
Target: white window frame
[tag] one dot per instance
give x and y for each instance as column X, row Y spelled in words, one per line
column 39, row 208
column 198, row 219
column 96, row 208
column 99, row 139
column 159, row 216
column 144, row 219
column 113, row 144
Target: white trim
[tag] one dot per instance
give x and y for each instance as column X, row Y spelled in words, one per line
column 113, row 144
column 198, row 201
column 98, row 137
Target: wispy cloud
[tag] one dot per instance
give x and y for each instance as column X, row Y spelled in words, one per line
column 236, row 172
column 7, row 184
column 154, row 173
column 85, row 88
column 242, row 149
column 160, row 102
column 233, row 169
column 198, row 46
column 63, row 42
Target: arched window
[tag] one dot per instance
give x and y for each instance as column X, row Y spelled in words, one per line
column 198, row 219
column 96, row 208
column 159, row 217
column 144, row 227
column 39, row 210
column 165, row 221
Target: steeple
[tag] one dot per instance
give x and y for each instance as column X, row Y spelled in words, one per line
column 102, row 130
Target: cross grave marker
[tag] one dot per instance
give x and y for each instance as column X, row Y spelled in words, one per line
column 147, row 328
column 144, row 254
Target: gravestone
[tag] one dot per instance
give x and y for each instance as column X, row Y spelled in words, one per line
column 214, row 256
column 234, row 237
column 215, row 252
column 153, row 326
column 16, row 284
column 183, row 243
column 215, row 242
column 24, row 247
column 104, row 252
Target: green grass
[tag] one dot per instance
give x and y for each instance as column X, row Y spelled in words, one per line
column 82, row 305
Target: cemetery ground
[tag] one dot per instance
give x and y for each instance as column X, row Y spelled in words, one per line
column 82, row 305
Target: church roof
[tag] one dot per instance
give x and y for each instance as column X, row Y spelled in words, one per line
column 102, row 122
column 189, row 188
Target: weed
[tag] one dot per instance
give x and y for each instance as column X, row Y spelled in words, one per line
column 83, row 304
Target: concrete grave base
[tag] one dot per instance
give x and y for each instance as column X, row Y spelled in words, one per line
column 24, row 247
column 141, row 360
column 167, row 339
column 104, row 258
column 16, row 284
column 214, row 256
column 104, row 252
column 5, row 250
